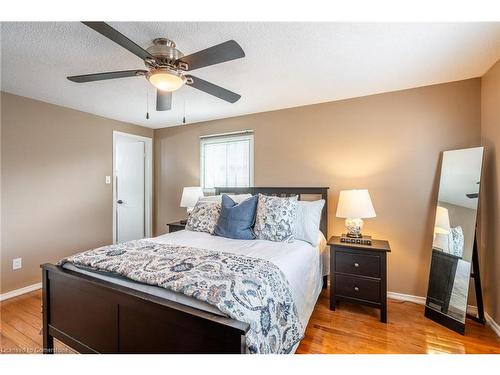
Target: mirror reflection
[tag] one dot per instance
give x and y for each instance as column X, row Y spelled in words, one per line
column 454, row 232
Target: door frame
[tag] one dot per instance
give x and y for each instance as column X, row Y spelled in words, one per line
column 148, row 181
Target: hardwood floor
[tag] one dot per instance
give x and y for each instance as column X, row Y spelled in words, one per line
column 20, row 325
column 349, row 329
column 353, row 329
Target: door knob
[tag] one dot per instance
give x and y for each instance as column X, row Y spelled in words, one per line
column 119, row 201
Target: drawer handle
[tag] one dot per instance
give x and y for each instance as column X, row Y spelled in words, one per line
column 356, row 264
column 356, row 289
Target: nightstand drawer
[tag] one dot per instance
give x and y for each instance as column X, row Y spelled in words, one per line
column 355, row 287
column 357, row 264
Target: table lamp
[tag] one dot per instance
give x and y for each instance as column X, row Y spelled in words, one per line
column 190, row 196
column 354, row 206
column 442, row 224
column 442, row 229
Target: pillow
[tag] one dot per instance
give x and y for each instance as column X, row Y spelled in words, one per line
column 275, row 218
column 456, row 241
column 324, row 250
column 238, row 198
column 204, row 217
column 236, row 220
column 308, row 220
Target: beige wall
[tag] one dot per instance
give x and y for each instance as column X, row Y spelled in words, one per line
column 388, row 143
column 490, row 202
column 54, row 200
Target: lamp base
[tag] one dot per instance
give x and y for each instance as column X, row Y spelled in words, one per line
column 354, row 227
column 363, row 240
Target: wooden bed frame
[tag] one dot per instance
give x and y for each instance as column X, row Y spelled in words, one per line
column 95, row 316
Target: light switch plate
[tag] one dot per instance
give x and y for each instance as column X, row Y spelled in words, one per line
column 17, row 263
column 108, row 180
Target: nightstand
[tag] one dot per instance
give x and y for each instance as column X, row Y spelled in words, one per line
column 358, row 273
column 174, row 227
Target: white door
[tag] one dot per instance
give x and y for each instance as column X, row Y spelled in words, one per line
column 130, row 189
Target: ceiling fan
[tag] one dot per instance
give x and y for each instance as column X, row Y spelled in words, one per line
column 166, row 66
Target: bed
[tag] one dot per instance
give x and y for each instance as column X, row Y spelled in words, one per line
column 98, row 313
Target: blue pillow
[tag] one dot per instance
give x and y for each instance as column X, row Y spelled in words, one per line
column 236, row 220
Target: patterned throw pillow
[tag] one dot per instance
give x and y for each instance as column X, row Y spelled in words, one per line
column 204, row 217
column 456, row 241
column 275, row 219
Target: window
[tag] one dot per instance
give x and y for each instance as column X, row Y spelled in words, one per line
column 226, row 160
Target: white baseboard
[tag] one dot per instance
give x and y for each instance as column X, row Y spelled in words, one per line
column 406, row 297
column 472, row 310
column 421, row 301
column 18, row 292
column 494, row 325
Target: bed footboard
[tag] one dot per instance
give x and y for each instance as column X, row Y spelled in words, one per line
column 95, row 316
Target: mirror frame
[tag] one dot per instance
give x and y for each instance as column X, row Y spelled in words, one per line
column 437, row 316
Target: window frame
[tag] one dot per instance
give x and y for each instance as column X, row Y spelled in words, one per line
column 226, row 139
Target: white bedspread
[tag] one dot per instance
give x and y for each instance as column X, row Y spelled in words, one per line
column 301, row 263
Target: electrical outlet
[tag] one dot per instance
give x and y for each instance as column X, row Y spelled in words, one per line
column 108, row 180
column 17, row 263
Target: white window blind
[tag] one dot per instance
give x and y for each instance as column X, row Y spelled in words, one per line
column 226, row 161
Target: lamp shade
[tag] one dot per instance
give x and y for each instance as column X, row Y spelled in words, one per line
column 190, row 196
column 355, row 204
column 442, row 225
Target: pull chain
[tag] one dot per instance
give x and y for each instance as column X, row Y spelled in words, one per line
column 147, row 103
column 184, row 117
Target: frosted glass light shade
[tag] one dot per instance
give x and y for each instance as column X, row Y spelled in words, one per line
column 166, row 80
column 190, row 196
column 355, row 204
column 442, row 224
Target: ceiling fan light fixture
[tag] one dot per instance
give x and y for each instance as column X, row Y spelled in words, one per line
column 166, row 79
column 166, row 65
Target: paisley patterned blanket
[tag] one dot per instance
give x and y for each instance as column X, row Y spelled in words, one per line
column 247, row 289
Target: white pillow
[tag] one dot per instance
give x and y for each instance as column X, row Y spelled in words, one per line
column 308, row 220
column 238, row 198
column 324, row 250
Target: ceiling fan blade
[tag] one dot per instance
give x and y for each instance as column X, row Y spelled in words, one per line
column 214, row 90
column 117, row 37
column 163, row 100
column 107, row 75
column 220, row 53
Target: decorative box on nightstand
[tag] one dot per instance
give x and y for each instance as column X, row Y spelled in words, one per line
column 358, row 273
column 174, row 227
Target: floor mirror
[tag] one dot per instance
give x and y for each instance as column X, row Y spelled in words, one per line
column 454, row 248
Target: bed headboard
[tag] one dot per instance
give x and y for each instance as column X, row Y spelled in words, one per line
column 302, row 193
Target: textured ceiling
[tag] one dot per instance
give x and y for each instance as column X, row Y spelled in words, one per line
column 286, row 64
